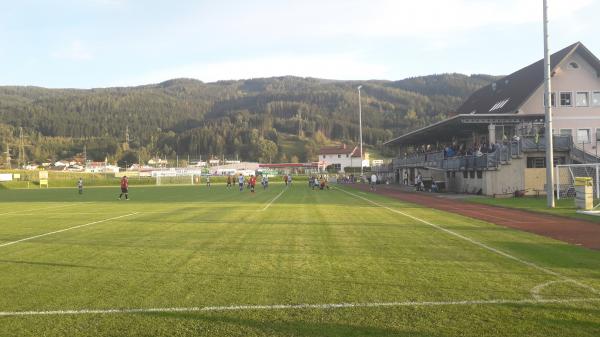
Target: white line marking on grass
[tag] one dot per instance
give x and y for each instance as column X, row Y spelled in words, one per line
column 296, row 306
column 40, row 209
column 273, row 200
column 535, row 291
column 480, row 244
column 66, row 229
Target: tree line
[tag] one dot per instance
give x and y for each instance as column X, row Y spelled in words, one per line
column 268, row 119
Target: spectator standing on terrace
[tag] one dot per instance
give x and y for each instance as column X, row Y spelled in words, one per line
column 419, row 182
column 373, row 181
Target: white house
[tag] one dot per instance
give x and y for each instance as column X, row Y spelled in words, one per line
column 340, row 157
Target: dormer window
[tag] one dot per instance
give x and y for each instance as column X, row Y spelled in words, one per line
column 573, row 65
column 499, row 105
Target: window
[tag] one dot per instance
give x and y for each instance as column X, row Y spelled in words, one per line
column 565, row 99
column 596, row 98
column 465, row 174
column 472, row 174
column 597, row 135
column 339, row 156
column 583, row 136
column 536, row 162
column 479, row 174
column 552, row 99
column 582, row 98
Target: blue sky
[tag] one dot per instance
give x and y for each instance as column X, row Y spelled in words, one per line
column 100, row 43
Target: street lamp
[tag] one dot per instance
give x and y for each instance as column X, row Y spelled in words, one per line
column 360, row 131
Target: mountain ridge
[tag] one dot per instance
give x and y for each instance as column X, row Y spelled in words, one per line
column 280, row 118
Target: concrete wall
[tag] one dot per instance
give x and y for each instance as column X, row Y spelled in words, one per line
column 505, row 180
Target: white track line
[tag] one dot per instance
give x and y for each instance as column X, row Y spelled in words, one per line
column 296, row 306
column 64, row 230
column 273, row 200
column 480, row 244
column 39, row 209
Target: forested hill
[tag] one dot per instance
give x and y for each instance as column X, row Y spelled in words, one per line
column 274, row 119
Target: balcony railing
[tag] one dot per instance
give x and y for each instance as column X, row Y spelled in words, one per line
column 502, row 154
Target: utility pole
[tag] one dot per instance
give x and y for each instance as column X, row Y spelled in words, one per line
column 7, row 165
column 548, row 115
column 22, row 156
column 300, row 131
column 360, row 131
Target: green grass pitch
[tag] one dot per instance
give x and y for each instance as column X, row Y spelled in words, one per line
column 194, row 261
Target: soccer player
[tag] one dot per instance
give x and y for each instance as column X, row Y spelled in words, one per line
column 241, row 182
column 252, row 183
column 207, row 181
column 80, row 186
column 229, row 181
column 285, row 179
column 289, row 180
column 124, row 188
column 265, row 181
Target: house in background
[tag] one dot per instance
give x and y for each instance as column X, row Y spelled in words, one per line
column 338, row 158
column 495, row 142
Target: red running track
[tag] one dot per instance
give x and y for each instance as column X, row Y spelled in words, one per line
column 574, row 231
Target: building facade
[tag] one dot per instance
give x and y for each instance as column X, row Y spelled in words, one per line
column 495, row 142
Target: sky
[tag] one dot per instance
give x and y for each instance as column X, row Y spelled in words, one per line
column 105, row 43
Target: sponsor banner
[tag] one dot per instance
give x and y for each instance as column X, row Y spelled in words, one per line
column 6, row 177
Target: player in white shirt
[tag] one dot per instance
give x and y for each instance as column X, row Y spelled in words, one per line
column 373, row 181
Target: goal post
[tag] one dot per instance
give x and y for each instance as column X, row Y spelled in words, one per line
column 177, row 177
column 565, row 179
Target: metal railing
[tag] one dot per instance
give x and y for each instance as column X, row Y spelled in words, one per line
column 502, row 154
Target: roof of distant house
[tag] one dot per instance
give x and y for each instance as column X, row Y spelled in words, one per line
column 343, row 149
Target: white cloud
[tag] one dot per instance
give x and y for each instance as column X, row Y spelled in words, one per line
column 374, row 18
column 75, row 51
column 333, row 66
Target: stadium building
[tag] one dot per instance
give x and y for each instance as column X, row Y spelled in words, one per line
column 495, row 142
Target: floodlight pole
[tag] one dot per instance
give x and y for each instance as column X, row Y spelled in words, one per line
column 360, row 131
column 548, row 115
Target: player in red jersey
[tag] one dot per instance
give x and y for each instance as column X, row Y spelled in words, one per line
column 124, row 188
column 252, row 183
